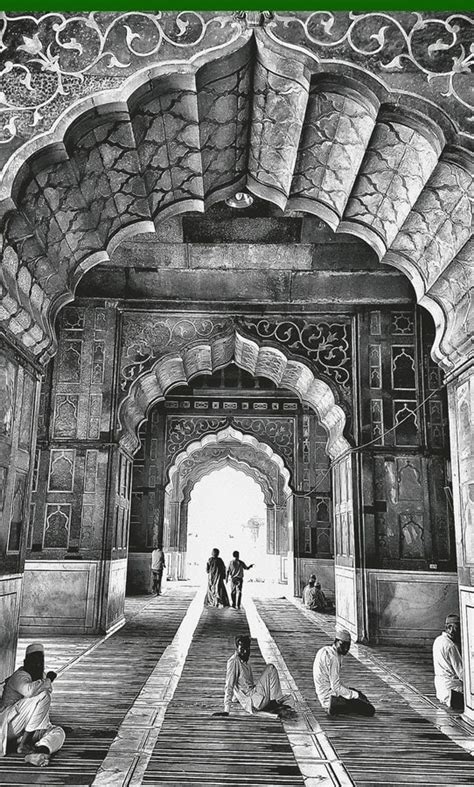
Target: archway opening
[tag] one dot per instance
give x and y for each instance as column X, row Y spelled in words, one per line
column 227, row 511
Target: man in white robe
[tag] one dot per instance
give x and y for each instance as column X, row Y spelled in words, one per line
column 265, row 694
column 24, row 710
column 334, row 697
column 447, row 662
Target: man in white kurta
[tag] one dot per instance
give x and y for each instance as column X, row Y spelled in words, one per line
column 448, row 667
column 334, row 697
column 253, row 696
column 24, row 710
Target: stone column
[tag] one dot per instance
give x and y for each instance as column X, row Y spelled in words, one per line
column 19, row 395
column 76, row 562
column 172, row 545
column 271, row 530
column 183, row 538
column 461, row 414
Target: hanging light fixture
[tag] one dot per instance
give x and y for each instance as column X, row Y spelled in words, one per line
column 240, row 200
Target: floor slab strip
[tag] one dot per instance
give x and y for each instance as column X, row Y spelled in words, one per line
column 316, row 757
column 130, row 752
column 450, row 724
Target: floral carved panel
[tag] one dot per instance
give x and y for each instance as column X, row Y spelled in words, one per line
column 277, row 432
column 49, row 61
column 146, row 339
column 433, row 48
column 325, row 343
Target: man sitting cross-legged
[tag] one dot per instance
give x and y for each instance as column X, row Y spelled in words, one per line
column 24, row 710
column 264, row 695
column 448, row 667
column 333, row 696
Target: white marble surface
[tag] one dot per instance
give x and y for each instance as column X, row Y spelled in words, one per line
column 410, row 606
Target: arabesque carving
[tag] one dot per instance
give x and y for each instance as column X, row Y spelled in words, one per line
column 327, row 344
column 436, row 47
column 145, row 340
column 62, row 56
column 276, row 431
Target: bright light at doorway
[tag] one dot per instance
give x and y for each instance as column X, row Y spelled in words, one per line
column 220, row 508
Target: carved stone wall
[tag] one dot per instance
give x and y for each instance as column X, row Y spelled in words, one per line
column 407, row 516
column 461, row 406
column 316, row 536
column 75, row 422
column 81, row 491
column 19, row 394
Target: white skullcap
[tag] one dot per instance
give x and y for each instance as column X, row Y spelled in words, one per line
column 343, row 634
column 35, row 647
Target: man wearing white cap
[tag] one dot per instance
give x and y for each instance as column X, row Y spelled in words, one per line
column 24, row 710
column 447, row 662
column 333, row 696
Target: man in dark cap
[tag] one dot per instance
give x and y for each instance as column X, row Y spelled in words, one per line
column 447, row 662
column 333, row 696
column 24, row 710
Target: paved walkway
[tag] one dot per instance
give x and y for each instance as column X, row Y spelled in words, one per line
column 138, row 707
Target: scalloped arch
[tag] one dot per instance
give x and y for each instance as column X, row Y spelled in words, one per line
column 323, row 157
column 226, row 437
column 235, row 464
column 208, row 357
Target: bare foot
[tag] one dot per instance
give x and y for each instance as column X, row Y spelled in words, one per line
column 39, row 759
column 26, row 744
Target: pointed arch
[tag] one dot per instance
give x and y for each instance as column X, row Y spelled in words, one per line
column 216, row 353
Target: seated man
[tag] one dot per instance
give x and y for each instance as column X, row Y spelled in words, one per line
column 447, row 662
column 320, row 601
column 24, row 710
column 333, row 696
column 265, row 694
column 309, row 594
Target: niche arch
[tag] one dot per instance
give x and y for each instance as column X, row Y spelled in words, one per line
column 228, row 448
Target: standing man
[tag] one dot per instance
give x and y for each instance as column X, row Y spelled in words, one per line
column 447, row 662
column 157, row 566
column 24, row 710
column 235, row 572
column 333, row 696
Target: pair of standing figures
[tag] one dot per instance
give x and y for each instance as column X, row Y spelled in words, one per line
column 216, row 577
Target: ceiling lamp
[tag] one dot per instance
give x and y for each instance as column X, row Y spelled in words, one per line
column 240, row 200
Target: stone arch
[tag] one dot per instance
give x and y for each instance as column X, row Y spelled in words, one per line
column 267, row 469
column 216, row 353
column 230, row 435
column 414, row 211
column 235, row 464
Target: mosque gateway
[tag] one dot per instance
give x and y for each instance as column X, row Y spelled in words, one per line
column 236, row 242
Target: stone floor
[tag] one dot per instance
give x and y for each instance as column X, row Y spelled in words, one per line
column 137, row 706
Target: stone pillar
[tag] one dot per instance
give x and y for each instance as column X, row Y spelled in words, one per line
column 148, row 505
column 271, row 530
column 183, row 539
column 19, row 395
column 171, row 545
column 77, row 556
column 281, row 527
column 461, row 414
